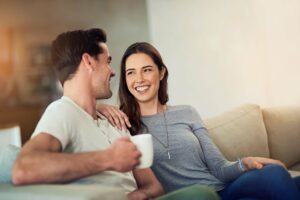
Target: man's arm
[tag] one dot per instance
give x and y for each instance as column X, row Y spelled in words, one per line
column 41, row 161
column 148, row 185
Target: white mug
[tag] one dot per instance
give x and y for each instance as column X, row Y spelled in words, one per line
column 144, row 144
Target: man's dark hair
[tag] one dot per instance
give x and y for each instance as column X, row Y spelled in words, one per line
column 68, row 48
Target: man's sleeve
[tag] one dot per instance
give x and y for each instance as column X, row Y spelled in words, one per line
column 56, row 122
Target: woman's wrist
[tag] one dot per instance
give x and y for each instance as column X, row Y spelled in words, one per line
column 242, row 165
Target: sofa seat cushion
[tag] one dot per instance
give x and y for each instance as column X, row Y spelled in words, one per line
column 283, row 126
column 295, row 167
column 239, row 132
column 294, row 173
column 60, row 192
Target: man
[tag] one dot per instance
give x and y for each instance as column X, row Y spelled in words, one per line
column 72, row 142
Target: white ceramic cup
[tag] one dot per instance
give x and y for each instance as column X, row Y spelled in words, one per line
column 144, row 144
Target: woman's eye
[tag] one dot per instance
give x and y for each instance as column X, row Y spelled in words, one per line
column 129, row 73
column 147, row 70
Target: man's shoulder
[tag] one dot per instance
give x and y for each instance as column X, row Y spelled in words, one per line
column 60, row 111
column 59, row 117
column 61, row 105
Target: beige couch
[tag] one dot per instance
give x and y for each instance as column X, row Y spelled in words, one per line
column 243, row 131
column 249, row 130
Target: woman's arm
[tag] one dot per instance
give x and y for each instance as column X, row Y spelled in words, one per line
column 217, row 164
column 148, row 185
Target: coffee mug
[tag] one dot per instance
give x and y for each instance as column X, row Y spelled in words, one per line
column 144, row 144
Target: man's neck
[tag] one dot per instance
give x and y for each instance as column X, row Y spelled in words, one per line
column 81, row 96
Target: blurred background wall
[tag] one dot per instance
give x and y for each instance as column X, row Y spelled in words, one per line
column 27, row 28
column 220, row 54
column 35, row 23
column 225, row 53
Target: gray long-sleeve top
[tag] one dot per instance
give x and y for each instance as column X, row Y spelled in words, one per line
column 195, row 159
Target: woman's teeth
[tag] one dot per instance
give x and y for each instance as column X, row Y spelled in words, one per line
column 141, row 88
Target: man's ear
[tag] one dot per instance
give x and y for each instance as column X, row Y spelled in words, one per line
column 88, row 61
column 162, row 73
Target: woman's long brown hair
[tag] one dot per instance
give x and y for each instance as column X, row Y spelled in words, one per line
column 128, row 103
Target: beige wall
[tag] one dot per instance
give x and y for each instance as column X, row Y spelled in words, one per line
column 41, row 20
column 224, row 53
column 283, row 51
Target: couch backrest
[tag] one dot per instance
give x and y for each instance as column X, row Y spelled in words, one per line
column 283, row 127
column 239, row 132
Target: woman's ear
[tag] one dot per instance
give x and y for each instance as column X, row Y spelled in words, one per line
column 88, row 61
column 162, row 73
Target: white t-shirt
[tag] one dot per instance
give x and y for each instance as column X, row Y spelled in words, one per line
column 78, row 132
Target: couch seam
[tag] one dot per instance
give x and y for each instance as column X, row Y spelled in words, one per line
column 222, row 124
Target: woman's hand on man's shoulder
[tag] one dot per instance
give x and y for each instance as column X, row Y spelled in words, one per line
column 114, row 115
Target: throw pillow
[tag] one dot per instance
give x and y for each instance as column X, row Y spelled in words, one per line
column 8, row 155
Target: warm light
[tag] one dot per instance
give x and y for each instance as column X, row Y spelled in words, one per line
column 5, row 48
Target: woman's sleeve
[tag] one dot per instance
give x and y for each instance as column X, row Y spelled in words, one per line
column 218, row 165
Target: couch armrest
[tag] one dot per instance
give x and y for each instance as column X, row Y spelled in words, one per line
column 60, row 192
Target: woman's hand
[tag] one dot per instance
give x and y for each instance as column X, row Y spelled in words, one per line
column 259, row 162
column 114, row 115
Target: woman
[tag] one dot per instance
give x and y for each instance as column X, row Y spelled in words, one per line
column 184, row 153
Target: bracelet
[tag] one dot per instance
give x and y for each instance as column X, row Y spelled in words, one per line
column 241, row 165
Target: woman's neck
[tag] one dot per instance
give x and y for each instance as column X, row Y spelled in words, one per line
column 152, row 108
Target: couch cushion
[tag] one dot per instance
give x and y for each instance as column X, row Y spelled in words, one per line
column 8, row 155
column 295, row 167
column 283, row 127
column 294, row 173
column 61, row 192
column 239, row 132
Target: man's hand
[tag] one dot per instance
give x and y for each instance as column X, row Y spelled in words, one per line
column 259, row 162
column 124, row 155
column 114, row 115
